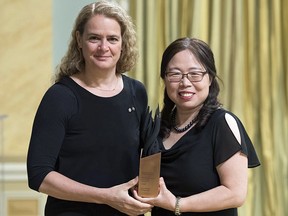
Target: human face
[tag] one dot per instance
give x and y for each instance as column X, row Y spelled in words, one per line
column 186, row 94
column 101, row 43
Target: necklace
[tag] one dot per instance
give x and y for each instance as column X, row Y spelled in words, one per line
column 177, row 129
column 113, row 89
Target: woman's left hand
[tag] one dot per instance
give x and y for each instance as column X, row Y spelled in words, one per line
column 165, row 198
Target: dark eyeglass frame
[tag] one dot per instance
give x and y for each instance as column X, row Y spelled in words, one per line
column 199, row 74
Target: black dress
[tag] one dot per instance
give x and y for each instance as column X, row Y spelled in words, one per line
column 189, row 167
column 90, row 139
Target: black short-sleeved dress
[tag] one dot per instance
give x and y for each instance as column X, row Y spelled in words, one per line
column 90, row 139
column 189, row 167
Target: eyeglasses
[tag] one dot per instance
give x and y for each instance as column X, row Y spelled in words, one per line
column 193, row 76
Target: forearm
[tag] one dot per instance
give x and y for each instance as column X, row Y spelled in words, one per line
column 218, row 198
column 61, row 187
column 117, row 197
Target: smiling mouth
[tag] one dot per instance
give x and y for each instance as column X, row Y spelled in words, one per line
column 186, row 94
column 102, row 58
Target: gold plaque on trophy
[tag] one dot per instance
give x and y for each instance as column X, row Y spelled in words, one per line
column 149, row 174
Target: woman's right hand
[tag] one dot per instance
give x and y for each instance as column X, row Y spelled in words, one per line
column 120, row 199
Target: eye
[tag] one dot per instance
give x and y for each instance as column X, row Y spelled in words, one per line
column 113, row 39
column 94, row 38
column 196, row 76
column 195, row 73
column 173, row 74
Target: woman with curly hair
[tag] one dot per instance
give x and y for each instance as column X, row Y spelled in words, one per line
column 85, row 144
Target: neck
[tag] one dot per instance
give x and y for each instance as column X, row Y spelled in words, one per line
column 101, row 82
column 181, row 122
column 184, row 116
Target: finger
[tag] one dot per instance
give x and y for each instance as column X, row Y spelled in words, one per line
column 135, row 195
column 140, row 202
column 162, row 183
column 145, row 200
column 132, row 182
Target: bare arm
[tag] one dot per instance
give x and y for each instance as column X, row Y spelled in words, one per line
column 59, row 186
column 231, row 193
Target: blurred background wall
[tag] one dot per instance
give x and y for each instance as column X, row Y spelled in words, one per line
column 26, row 67
column 249, row 40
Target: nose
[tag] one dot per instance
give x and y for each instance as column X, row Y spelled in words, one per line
column 185, row 81
column 103, row 45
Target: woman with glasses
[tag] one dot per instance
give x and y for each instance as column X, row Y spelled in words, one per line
column 205, row 149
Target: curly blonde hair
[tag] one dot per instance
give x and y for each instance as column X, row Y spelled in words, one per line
column 73, row 61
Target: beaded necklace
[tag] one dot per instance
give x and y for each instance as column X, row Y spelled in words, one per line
column 177, row 129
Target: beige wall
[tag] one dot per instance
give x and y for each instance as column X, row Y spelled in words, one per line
column 25, row 69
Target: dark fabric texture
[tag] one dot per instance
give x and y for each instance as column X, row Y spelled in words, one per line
column 90, row 139
column 189, row 167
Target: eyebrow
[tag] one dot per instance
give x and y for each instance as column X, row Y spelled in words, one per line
column 189, row 69
column 99, row 35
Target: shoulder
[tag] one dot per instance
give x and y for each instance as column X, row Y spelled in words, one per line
column 58, row 91
column 223, row 115
column 136, row 86
column 59, row 97
column 225, row 119
column 222, row 119
column 134, row 82
column 230, row 136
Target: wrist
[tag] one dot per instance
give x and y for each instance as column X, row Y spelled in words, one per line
column 177, row 206
column 102, row 196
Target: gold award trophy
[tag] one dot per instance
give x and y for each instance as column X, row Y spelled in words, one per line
column 149, row 169
column 149, row 174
